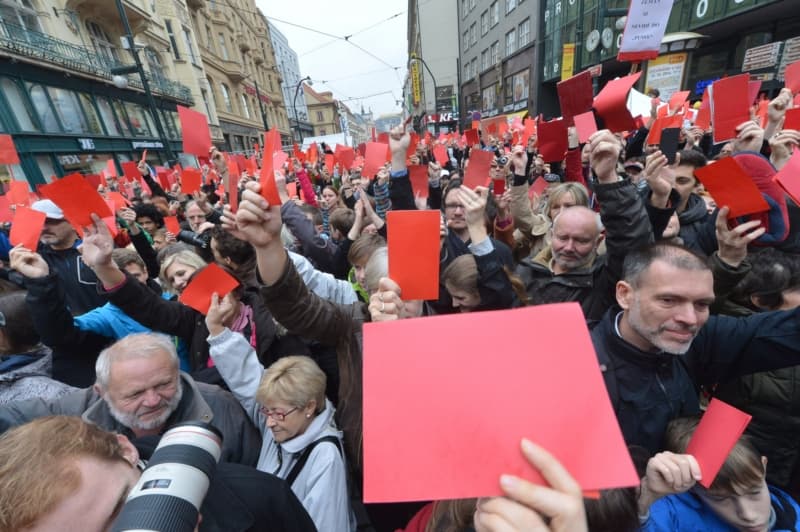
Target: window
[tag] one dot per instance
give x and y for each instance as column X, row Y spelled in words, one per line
column 92, row 118
column 107, row 115
column 209, row 38
column 464, row 9
column 484, row 23
column 320, row 116
column 473, row 34
column 20, row 13
column 524, row 31
column 139, row 120
column 495, row 52
column 485, row 59
column 223, row 48
column 474, row 66
column 472, row 4
column 187, row 41
column 511, row 42
column 494, row 13
column 172, row 43
column 226, row 97
column 466, row 40
column 102, row 42
column 122, row 115
column 16, row 102
column 510, row 5
column 204, row 94
column 245, row 107
column 68, row 109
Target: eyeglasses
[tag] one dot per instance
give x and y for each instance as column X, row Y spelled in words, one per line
column 453, row 206
column 277, row 416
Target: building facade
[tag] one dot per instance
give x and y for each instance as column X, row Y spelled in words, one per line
column 57, row 98
column 432, row 86
column 498, row 57
column 323, row 111
column 241, row 89
column 385, row 123
column 289, row 67
column 710, row 39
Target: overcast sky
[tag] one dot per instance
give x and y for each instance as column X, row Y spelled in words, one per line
column 337, row 65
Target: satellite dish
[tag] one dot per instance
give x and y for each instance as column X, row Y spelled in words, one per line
column 592, row 40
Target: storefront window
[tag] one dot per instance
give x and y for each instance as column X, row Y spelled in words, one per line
column 123, row 118
column 69, row 110
column 138, row 120
column 42, row 105
column 176, row 121
column 148, row 117
column 18, row 105
column 85, row 163
column 45, row 164
column 107, row 114
column 93, row 120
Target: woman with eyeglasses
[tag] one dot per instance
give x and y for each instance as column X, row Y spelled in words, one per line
column 301, row 442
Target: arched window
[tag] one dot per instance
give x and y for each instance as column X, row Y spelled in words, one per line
column 226, row 97
column 20, row 13
column 245, row 107
column 102, row 42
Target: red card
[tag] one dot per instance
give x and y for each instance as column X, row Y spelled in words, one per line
column 233, row 184
column 211, row 279
column 412, row 144
column 94, row 180
column 440, row 154
column 196, row 135
column 383, row 138
column 279, row 158
column 8, row 152
column 312, row 153
column 172, row 225
column 163, row 179
column 753, row 86
column 498, row 186
column 144, row 156
column 111, row 168
column 659, row 125
column 269, row 190
column 118, row 200
column 530, row 129
column 729, row 106
column 715, row 437
column 586, row 126
column 472, row 137
column 553, row 141
column 788, row 177
column 5, row 210
column 792, row 119
column 792, row 77
column 329, row 162
column 345, row 155
column 575, row 95
column 703, row 120
column 440, row 363
column 361, row 148
column 478, row 168
column 730, row 185
column 611, row 103
column 191, row 180
column 376, row 155
column 27, row 227
column 18, row 193
column 130, row 170
column 418, row 174
column 677, row 99
column 413, row 240
column 76, row 197
column 291, row 189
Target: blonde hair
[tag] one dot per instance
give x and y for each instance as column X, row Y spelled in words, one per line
column 38, row 465
column 295, row 380
column 186, row 257
column 377, row 266
column 462, row 274
column 577, row 190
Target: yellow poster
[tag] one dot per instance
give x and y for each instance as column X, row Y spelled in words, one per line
column 567, row 61
column 665, row 73
column 416, row 89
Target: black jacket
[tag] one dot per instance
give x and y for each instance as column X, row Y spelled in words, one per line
column 75, row 276
column 647, row 390
column 627, row 227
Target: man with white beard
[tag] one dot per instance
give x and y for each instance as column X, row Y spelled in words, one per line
column 139, row 392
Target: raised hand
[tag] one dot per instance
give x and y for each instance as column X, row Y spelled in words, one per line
column 659, row 177
column 749, row 137
column 28, row 263
column 386, row 304
column 219, row 312
column 667, row 473
column 604, row 150
column 258, row 222
column 782, row 144
column 733, row 242
column 97, row 244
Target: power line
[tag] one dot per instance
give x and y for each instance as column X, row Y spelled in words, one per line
column 362, row 30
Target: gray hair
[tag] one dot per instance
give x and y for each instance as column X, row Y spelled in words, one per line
column 583, row 208
column 638, row 261
column 377, row 266
column 139, row 345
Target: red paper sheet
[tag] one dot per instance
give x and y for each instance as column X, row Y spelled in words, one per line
column 729, row 106
column 611, row 103
column 575, row 95
column 792, row 119
column 553, row 141
column 8, row 152
column 329, row 162
column 130, row 169
column 27, row 227
column 703, row 120
column 172, row 225
column 5, row 210
column 586, row 126
column 279, row 158
column 410, row 365
column 729, row 184
column 345, row 155
column 530, row 129
column 269, row 190
column 191, row 180
column 715, row 437
column 211, row 279
column 440, row 154
column 677, row 99
column 412, row 144
column 413, row 240
column 478, row 168
column 361, row 149
column 753, row 86
column 418, row 174
column 194, row 128
column 18, row 193
column 291, row 189
column 376, row 155
column 94, row 180
column 788, row 177
column 659, row 125
column 118, row 200
column 472, row 137
column 792, row 77
column 383, row 138
column 76, row 197
column 233, row 184
column 163, row 179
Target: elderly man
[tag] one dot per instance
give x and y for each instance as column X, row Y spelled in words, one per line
column 139, row 392
column 571, row 269
column 60, row 472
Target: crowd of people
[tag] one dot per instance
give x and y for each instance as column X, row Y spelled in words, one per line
column 100, row 355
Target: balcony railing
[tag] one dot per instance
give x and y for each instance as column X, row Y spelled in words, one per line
column 28, row 43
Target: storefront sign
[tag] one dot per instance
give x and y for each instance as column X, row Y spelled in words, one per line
column 416, row 88
column 142, row 144
column 765, row 56
column 567, row 60
column 791, row 53
column 86, row 144
column 665, row 73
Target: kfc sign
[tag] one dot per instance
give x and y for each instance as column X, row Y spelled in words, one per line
column 442, row 117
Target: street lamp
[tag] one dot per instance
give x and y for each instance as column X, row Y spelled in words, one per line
column 118, row 78
column 294, row 105
column 415, row 57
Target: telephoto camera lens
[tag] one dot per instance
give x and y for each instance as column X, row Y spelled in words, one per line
column 171, row 490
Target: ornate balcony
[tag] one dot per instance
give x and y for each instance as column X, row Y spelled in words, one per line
column 33, row 46
column 196, row 4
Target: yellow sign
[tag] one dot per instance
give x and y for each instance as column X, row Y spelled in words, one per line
column 416, row 89
column 665, row 73
column 567, row 61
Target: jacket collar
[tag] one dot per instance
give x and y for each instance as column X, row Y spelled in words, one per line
column 322, row 423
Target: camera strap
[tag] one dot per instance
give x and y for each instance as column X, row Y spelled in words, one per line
column 303, row 458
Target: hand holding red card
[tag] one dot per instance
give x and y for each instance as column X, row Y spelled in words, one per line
column 478, row 168
column 715, row 437
column 211, row 279
column 729, row 106
column 194, row 128
column 27, row 227
column 418, row 174
column 78, row 199
column 413, row 240
column 731, row 186
column 611, row 103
